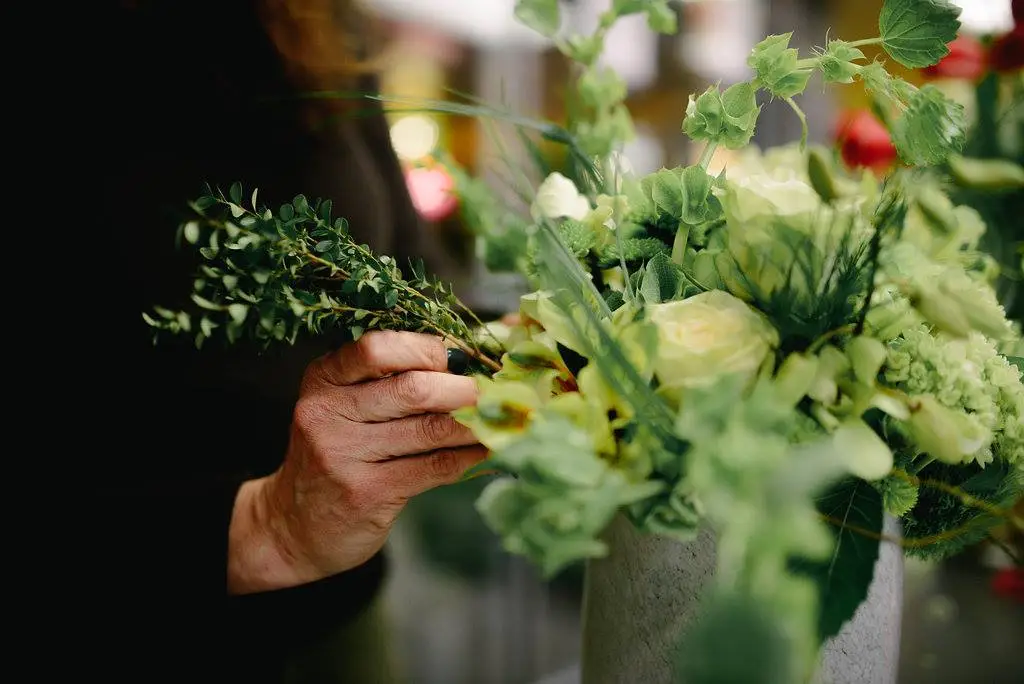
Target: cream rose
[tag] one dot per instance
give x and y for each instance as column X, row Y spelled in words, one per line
column 557, row 197
column 707, row 336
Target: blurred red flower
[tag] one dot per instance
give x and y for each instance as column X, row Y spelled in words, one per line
column 1007, row 51
column 864, row 141
column 1009, row 583
column 966, row 59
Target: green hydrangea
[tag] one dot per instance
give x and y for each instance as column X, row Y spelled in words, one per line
column 968, row 375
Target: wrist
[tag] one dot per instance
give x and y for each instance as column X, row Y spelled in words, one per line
column 260, row 556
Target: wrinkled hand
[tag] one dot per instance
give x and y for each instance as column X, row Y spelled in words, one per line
column 371, row 429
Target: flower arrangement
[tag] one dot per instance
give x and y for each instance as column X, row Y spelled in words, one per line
column 782, row 353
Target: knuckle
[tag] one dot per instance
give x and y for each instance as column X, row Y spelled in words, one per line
column 372, row 349
column 435, row 429
column 309, row 412
column 413, row 390
column 444, row 464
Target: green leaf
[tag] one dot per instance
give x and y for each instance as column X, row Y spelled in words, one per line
column 391, row 299
column 777, row 68
column 662, row 280
column 235, row 193
column 286, row 212
column 1017, row 361
column 252, row 200
column 238, row 312
column 543, row 16
column 837, row 62
column 325, row 211
column 844, row 578
column 661, row 18
column 696, row 186
column 601, row 86
column 917, row 33
column 191, row 232
column 667, row 192
column 932, row 128
column 324, row 246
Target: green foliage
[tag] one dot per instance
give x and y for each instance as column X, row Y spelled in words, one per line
column 543, row 16
column 272, row 276
column 854, row 510
column 838, row 63
column 737, row 641
column 777, row 66
column 917, row 33
column 726, row 117
column 942, row 523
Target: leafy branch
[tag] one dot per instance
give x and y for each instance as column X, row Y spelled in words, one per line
column 271, row 276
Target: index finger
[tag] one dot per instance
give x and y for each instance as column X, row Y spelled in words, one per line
column 379, row 354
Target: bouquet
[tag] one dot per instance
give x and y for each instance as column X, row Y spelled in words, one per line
column 782, row 353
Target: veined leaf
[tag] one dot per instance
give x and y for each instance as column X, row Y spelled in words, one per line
column 917, row 33
column 852, row 508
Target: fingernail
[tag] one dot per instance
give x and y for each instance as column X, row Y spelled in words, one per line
column 480, row 473
column 458, row 361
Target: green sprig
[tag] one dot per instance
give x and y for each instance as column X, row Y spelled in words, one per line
column 272, row 276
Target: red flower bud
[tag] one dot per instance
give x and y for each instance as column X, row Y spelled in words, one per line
column 1007, row 51
column 966, row 59
column 864, row 142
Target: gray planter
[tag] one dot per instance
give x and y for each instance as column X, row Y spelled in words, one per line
column 639, row 599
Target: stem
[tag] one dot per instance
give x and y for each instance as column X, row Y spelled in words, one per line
column 707, row 154
column 803, row 122
column 866, row 41
column 1007, row 549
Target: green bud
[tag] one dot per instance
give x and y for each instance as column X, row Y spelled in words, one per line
column 775, row 64
column 942, row 433
column 795, row 378
column 836, row 63
column 986, row 174
column 820, row 173
column 866, row 356
column 832, row 363
column 941, row 313
column 865, row 453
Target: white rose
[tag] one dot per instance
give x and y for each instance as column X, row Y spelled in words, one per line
column 707, row 336
column 557, row 197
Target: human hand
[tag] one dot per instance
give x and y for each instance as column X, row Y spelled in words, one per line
column 371, row 429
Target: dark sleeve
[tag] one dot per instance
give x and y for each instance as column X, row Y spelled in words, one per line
column 157, row 440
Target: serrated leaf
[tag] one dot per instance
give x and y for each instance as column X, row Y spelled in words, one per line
column 932, row 128
column 543, row 16
column 853, row 509
column 917, row 33
column 661, row 281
